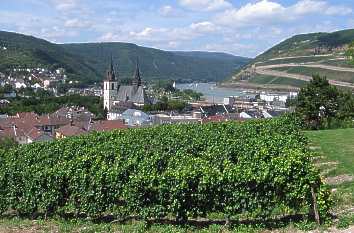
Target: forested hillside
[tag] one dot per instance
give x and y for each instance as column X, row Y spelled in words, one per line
column 88, row 62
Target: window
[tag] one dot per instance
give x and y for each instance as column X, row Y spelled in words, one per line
column 112, row 86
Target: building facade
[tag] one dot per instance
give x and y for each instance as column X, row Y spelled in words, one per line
column 115, row 94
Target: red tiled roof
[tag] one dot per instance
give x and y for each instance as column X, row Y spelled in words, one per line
column 34, row 134
column 7, row 133
column 216, row 118
column 27, row 115
column 70, row 130
column 106, row 125
column 53, row 120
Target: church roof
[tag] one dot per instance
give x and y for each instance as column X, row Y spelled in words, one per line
column 135, row 94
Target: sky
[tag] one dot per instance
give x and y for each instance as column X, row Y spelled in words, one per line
column 239, row 27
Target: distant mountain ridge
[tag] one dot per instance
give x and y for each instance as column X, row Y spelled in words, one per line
column 291, row 63
column 89, row 61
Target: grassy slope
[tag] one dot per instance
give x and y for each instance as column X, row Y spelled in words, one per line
column 263, row 79
column 295, row 60
column 337, row 146
column 330, row 74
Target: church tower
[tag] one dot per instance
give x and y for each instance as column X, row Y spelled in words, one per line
column 110, row 88
column 137, row 77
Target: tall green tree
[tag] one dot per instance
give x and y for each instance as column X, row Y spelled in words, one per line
column 350, row 52
column 317, row 103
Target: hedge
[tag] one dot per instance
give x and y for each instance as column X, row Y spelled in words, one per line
column 252, row 169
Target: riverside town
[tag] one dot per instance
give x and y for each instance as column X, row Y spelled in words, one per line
column 177, row 116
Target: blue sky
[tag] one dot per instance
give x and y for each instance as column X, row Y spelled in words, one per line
column 240, row 27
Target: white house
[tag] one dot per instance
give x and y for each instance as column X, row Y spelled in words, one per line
column 20, row 84
column 245, row 115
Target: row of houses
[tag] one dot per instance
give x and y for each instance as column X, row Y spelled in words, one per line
column 196, row 114
column 28, row 127
column 33, row 78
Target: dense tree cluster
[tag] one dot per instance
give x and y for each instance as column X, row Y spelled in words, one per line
column 43, row 102
column 321, row 105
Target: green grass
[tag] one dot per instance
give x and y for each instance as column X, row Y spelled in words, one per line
column 337, row 146
column 264, row 79
column 295, row 60
column 19, row 225
column 339, row 63
column 330, row 74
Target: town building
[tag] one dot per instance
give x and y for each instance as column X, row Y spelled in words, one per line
column 116, row 94
column 136, row 118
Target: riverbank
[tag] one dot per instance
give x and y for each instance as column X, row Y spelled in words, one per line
column 258, row 87
column 214, row 93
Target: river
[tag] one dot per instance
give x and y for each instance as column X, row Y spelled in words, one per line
column 212, row 92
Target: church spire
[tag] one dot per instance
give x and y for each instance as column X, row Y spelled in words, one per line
column 137, row 77
column 111, row 76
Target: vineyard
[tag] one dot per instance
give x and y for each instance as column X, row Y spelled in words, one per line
column 251, row 170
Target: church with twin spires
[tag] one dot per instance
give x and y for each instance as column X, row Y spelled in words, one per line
column 115, row 94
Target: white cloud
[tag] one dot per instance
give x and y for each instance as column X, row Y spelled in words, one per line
column 203, row 27
column 65, row 5
column 252, row 13
column 171, row 37
column 55, row 33
column 214, row 25
column 168, row 11
column 267, row 11
column 148, row 33
column 338, row 10
column 314, row 6
column 205, row 5
column 77, row 23
column 173, row 44
column 307, row 6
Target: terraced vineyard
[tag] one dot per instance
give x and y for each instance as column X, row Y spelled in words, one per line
column 298, row 58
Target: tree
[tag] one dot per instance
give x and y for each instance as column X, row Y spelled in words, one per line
column 346, row 106
column 350, row 52
column 317, row 103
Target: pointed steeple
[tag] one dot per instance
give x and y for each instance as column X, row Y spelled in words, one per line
column 137, row 77
column 111, row 76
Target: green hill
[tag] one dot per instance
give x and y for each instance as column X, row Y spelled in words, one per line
column 88, row 61
column 17, row 50
column 292, row 62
